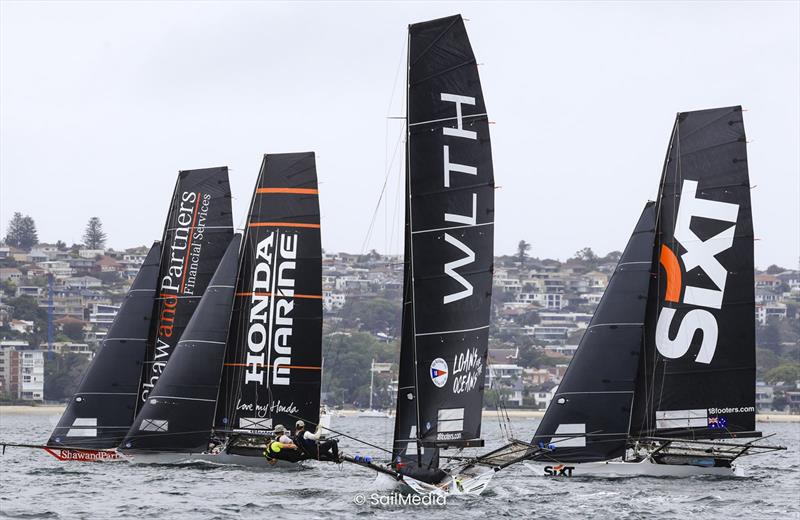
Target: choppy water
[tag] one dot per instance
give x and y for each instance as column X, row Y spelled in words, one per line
column 35, row 485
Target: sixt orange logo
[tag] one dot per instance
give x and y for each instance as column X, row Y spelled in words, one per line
column 561, row 470
column 699, row 253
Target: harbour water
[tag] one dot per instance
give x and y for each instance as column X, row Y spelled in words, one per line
column 35, row 485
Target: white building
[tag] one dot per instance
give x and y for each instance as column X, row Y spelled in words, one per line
column 506, row 377
column 58, row 268
column 82, row 282
column 102, row 315
column 765, row 311
column 32, row 375
column 543, row 399
column 91, row 253
column 333, row 300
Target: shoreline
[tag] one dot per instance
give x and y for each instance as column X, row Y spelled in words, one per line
column 521, row 414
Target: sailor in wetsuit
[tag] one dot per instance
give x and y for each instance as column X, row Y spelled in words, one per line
column 281, row 447
column 313, row 446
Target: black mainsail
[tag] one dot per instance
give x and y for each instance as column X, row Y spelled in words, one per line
column 102, row 410
column 670, row 351
column 198, row 229
column 448, row 250
column 272, row 369
column 697, row 376
column 589, row 417
column 179, row 412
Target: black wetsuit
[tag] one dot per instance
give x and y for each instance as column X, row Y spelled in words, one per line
column 320, row 450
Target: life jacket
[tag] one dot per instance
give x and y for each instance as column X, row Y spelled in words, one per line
column 272, row 449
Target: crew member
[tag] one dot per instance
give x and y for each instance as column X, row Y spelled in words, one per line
column 313, row 445
column 280, row 442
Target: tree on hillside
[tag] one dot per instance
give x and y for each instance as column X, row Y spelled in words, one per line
column 347, row 368
column 22, row 232
column 786, row 372
column 775, row 269
column 613, row 256
column 373, row 315
column 587, row 256
column 73, row 330
column 26, row 308
column 522, row 251
column 62, row 374
column 94, row 237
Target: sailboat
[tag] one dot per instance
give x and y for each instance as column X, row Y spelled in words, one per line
column 449, row 231
column 250, row 358
column 663, row 381
column 371, row 412
column 101, row 411
column 150, row 321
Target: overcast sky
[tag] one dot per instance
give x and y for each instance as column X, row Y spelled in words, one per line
column 102, row 103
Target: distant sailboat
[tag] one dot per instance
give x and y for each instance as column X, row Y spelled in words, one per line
column 371, row 412
column 666, row 369
column 448, row 260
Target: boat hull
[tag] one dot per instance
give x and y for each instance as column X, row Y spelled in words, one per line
column 618, row 468
column 221, row 459
column 459, row 484
column 85, row 455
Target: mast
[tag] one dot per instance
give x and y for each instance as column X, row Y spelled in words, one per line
column 589, row 417
column 273, row 360
column 371, row 382
column 448, row 249
column 100, row 412
column 179, row 413
column 697, row 376
column 198, row 230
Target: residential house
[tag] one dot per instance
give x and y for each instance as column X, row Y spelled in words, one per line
column 21, row 326
column 10, row 274
column 764, row 396
column 82, row 282
column 91, row 253
column 106, row 264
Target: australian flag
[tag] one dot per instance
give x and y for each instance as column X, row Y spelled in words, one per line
column 717, row 422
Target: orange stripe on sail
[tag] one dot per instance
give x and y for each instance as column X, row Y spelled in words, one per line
column 259, row 365
column 267, row 294
column 669, row 261
column 297, row 191
column 283, row 224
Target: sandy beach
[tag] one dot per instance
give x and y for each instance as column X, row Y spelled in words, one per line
column 47, row 409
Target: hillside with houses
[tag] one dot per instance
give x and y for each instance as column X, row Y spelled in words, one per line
column 57, row 302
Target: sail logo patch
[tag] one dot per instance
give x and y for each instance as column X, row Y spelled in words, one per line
column 700, row 253
column 560, row 470
column 467, row 370
column 465, row 220
column 439, row 372
column 181, row 262
column 271, row 305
